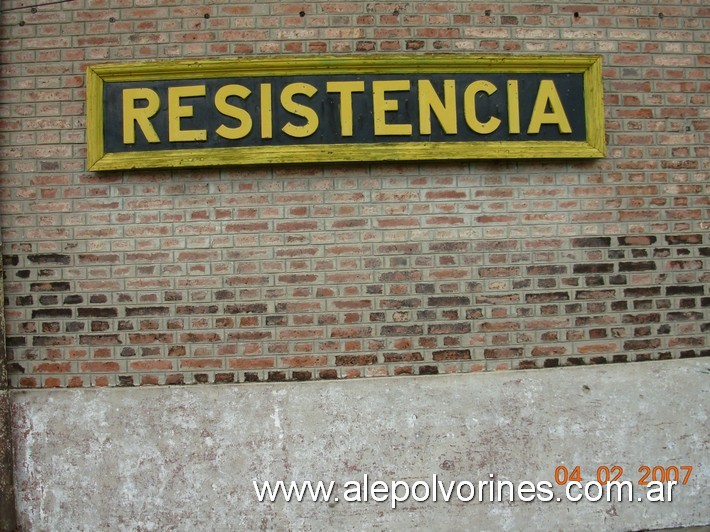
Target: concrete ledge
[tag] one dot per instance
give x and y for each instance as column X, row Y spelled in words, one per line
column 186, row 457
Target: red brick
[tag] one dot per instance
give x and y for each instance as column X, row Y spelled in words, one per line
column 150, row 365
column 51, row 367
column 201, row 363
column 250, row 363
column 100, row 367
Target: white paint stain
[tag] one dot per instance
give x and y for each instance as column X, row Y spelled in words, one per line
column 276, row 416
column 411, row 421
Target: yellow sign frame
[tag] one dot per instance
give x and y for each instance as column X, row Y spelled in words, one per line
column 590, row 66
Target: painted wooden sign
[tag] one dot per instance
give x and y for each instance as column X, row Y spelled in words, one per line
column 343, row 108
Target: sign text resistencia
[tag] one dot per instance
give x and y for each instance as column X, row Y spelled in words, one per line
column 328, row 110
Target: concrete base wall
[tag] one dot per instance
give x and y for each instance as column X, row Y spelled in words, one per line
column 186, row 457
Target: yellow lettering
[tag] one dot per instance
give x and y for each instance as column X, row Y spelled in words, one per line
column 232, row 111
column 547, row 96
column 469, row 100
column 513, row 107
column 139, row 116
column 267, row 129
column 176, row 112
column 346, row 90
column 381, row 105
column 299, row 110
column 445, row 112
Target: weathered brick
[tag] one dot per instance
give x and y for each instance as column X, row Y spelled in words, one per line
column 595, row 294
column 691, row 239
column 246, row 308
column 100, row 366
column 406, row 356
column 593, row 268
column 351, row 332
column 449, row 328
column 355, row 360
column 147, row 311
column 50, row 258
column 277, row 270
column 637, row 240
column 638, row 266
column 632, row 345
column 48, row 341
column 547, row 297
column 452, row 354
column 401, row 330
column 52, row 367
column 503, row 352
column 55, row 286
column 99, row 339
column 685, row 290
column 97, row 312
column 591, row 242
column 448, row 301
column 52, row 313
column 557, row 269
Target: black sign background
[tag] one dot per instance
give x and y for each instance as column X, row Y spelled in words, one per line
column 570, row 88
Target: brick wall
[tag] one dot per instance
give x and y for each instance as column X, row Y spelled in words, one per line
column 340, row 271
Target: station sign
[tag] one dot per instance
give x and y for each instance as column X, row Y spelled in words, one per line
column 343, row 108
